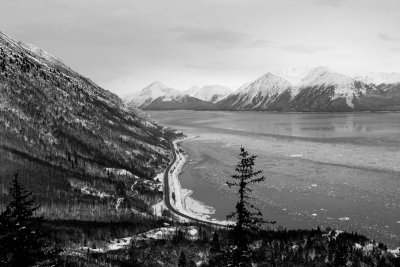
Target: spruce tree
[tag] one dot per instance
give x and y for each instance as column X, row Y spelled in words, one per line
column 216, row 257
column 21, row 238
column 182, row 260
column 248, row 218
column 215, row 246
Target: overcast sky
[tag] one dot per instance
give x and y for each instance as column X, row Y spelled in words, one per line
column 123, row 45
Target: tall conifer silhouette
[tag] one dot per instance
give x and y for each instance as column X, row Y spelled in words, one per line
column 248, row 218
column 22, row 241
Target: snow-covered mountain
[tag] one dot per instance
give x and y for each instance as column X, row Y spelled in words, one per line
column 295, row 89
column 268, row 92
column 316, row 89
column 211, row 93
column 293, row 75
column 158, row 96
column 378, row 78
column 181, row 102
column 150, row 93
column 325, row 90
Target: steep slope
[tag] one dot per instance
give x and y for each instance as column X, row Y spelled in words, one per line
column 325, row 90
column 269, row 92
column 70, row 139
column 210, row 93
column 387, row 95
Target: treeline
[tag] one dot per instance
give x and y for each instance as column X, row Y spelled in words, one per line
column 59, row 199
column 211, row 247
column 26, row 239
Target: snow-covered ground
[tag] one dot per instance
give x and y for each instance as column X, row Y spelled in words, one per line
column 180, row 197
column 87, row 190
column 167, row 232
column 182, row 200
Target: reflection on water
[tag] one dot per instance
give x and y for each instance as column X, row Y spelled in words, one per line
column 381, row 129
column 304, row 124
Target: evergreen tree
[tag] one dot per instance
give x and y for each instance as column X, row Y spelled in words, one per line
column 216, row 257
column 248, row 218
column 215, row 247
column 182, row 260
column 21, row 237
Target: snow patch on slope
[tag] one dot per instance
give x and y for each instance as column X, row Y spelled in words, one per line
column 344, row 85
column 267, row 85
column 42, row 54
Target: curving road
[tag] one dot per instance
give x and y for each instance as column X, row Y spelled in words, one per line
column 167, row 199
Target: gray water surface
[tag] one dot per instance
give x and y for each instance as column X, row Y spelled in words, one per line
column 333, row 169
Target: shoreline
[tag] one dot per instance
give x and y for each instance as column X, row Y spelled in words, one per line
column 183, row 202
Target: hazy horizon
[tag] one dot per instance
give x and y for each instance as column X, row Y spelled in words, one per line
column 125, row 45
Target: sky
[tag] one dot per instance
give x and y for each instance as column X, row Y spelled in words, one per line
column 124, row 45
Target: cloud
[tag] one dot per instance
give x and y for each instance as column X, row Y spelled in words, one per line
column 299, row 48
column 387, row 37
column 214, row 65
column 218, row 37
column 260, row 43
column 331, row 3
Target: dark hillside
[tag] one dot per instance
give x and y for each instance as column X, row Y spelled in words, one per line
column 72, row 141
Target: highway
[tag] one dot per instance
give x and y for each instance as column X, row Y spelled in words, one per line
column 167, row 199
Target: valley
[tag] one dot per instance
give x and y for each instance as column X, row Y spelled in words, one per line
column 90, row 179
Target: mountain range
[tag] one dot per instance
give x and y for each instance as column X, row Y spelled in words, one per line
column 158, row 96
column 69, row 139
column 317, row 89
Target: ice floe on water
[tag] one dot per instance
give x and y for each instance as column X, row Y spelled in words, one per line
column 194, row 206
column 341, row 168
column 181, row 199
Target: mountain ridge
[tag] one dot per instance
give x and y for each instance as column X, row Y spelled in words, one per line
column 318, row 89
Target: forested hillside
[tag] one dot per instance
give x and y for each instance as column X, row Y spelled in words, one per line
column 74, row 143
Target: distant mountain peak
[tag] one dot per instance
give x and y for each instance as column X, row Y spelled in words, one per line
column 378, row 78
column 211, row 93
column 268, row 83
column 150, row 93
column 156, row 85
column 325, row 76
column 293, row 75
